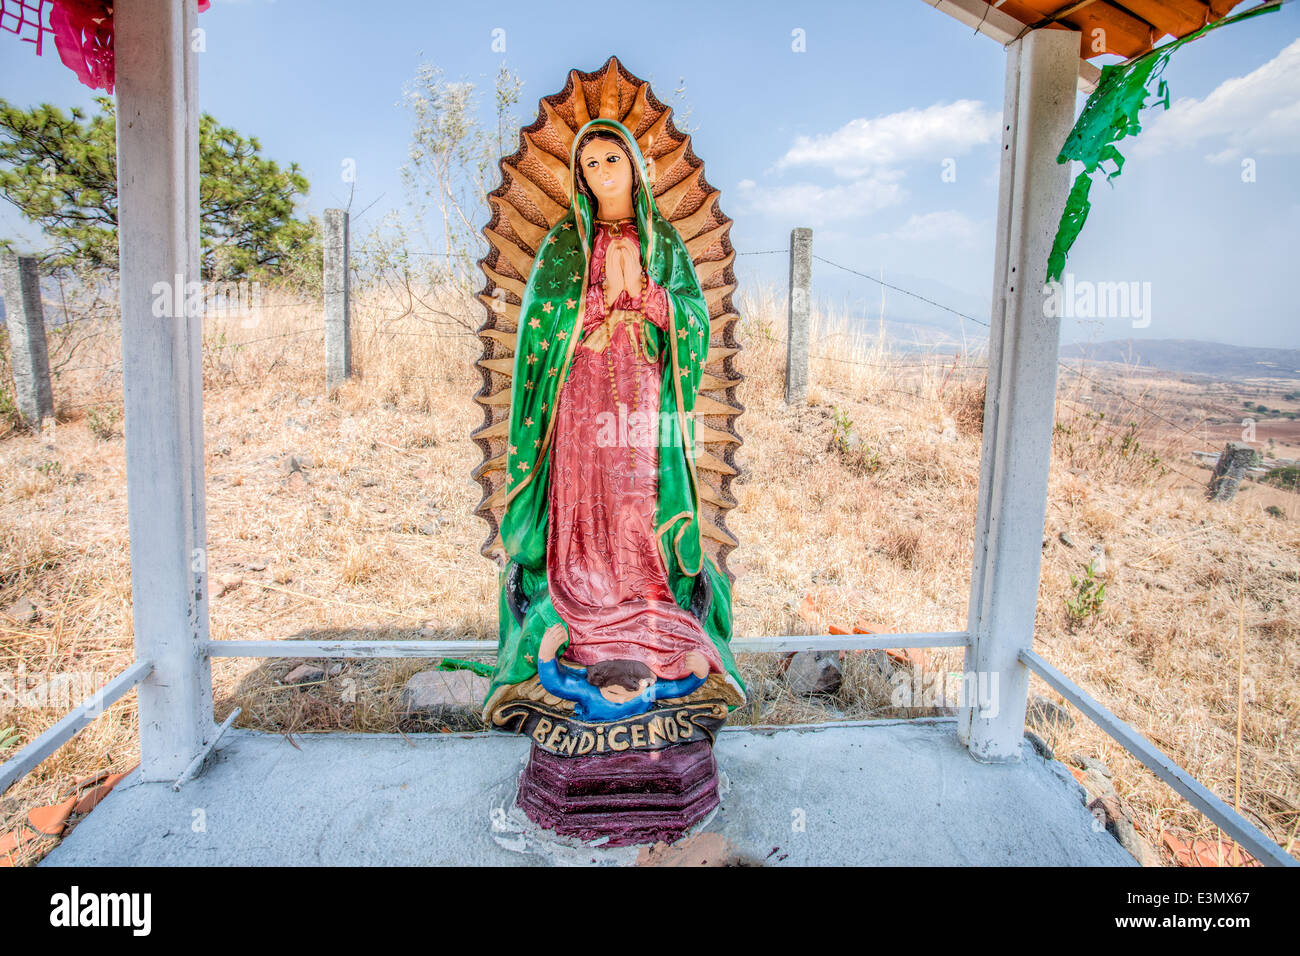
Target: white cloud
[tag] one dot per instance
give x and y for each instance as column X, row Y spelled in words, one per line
column 864, row 146
column 869, row 156
column 1255, row 114
column 813, row 205
column 945, row 226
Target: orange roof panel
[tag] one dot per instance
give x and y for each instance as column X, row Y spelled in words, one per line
column 1127, row 29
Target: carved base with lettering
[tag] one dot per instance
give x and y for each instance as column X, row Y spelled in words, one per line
column 646, row 778
column 636, row 796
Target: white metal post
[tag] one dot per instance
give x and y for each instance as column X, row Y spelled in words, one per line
column 1019, row 405
column 158, row 239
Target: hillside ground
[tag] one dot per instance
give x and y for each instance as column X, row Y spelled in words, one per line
column 351, row 517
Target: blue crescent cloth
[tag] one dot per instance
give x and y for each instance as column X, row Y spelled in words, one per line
column 591, row 705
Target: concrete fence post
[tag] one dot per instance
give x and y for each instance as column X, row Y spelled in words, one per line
column 335, row 277
column 1228, row 473
column 799, row 317
column 26, row 322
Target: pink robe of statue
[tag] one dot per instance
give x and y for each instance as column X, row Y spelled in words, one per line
column 607, row 578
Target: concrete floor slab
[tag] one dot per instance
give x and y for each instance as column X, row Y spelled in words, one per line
column 876, row 793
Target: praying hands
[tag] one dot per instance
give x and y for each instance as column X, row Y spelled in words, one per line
column 622, row 271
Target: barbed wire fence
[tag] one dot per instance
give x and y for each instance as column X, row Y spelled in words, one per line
column 1096, row 419
column 444, row 323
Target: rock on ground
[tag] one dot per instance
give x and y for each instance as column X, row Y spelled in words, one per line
column 22, row 611
column 1047, row 717
column 434, row 700
column 814, row 672
column 1108, row 808
column 308, row 673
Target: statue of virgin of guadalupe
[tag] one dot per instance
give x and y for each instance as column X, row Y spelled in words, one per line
column 608, row 597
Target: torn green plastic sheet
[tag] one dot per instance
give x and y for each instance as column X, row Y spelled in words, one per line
column 455, row 664
column 1110, row 115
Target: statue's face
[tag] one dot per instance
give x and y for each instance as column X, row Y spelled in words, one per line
column 607, row 170
column 618, row 694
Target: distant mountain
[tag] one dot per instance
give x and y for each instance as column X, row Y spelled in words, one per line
column 1191, row 356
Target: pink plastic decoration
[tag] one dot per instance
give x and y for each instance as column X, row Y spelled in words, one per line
column 83, row 33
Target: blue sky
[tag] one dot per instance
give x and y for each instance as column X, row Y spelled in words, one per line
column 849, row 137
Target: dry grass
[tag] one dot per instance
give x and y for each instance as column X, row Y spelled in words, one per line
column 859, row 506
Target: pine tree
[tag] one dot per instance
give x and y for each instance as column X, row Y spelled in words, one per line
column 60, row 170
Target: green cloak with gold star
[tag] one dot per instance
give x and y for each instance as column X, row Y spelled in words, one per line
column 550, row 325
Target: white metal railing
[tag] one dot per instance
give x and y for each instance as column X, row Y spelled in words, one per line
column 84, row 713
column 68, row 726
column 740, row 645
column 196, row 765
column 1255, row 841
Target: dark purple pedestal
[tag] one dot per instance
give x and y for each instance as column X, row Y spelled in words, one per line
column 630, row 797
